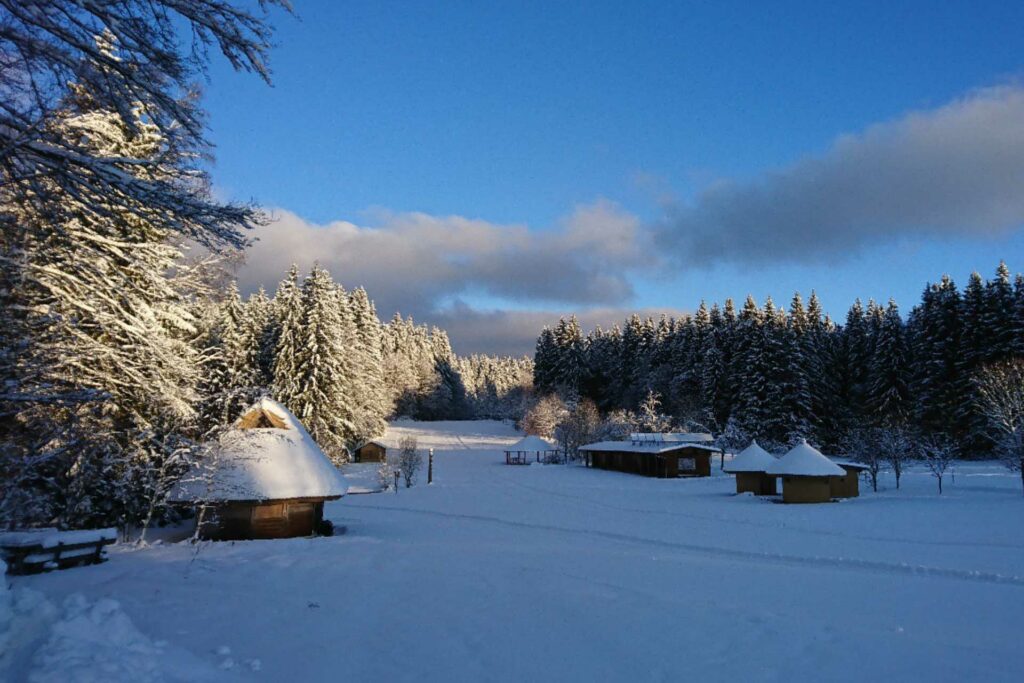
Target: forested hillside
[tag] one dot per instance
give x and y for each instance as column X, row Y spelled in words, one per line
column 779, row 374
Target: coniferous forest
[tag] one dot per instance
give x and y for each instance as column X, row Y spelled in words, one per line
column 778, row 374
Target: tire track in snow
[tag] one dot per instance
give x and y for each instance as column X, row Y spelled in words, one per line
column 751, row 523
column 743, row 555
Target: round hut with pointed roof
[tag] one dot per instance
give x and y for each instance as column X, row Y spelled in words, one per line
column 530, row 448
column 265, row 478
column 806, row 474
column 751, row 469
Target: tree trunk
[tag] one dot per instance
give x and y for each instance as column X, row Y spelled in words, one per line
column 940, row 485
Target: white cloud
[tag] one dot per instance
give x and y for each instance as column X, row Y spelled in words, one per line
column 411, row 261
column 952, row 171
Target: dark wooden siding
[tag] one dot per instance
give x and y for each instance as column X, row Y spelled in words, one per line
column 254, row 520
column 650, row 464
column 757, row 483
column 370, row 452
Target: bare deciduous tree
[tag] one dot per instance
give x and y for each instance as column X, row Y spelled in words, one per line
column 409, row 460
column 863, row 445
column 895, row 446
column 1001, row 399
column 937, row 453
column 544, row 416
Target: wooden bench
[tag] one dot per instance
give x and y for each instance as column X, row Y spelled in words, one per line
column 36, row 551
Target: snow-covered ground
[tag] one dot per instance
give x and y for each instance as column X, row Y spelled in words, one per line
column 558, row 573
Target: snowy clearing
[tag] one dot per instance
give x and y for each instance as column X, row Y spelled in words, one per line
column 556, row 572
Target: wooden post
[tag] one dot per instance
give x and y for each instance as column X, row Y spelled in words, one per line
column 430, row 466
column 396, row 482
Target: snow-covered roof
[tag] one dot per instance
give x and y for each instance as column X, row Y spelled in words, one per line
column 532, row 443
column 848, row 464
column 753, row 458
column 376, row 442
column 266, row 455
column 671, row 437
column 655, row 447
column 803, row 460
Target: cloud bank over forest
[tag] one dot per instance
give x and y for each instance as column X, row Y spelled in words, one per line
column 952, row 171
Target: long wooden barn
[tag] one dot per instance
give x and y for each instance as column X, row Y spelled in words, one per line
column 654, row 455
column 266, row 478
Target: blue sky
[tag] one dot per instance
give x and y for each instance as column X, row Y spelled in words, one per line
column 518, row 114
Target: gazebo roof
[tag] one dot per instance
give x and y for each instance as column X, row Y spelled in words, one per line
column 803, row 460
column 753, row 458
column 266, row 455
column 531, row 443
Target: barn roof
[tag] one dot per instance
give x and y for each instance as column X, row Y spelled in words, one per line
column 266, row 455
column 672, row 437
column 753, row 458
column 654, row 447
column 532, row 443
column 803, row 460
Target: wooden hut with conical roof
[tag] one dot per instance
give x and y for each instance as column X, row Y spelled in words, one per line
column 806, row 474
column 265, row 478
column 751, row 469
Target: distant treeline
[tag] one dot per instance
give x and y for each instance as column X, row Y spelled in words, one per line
column 778, row 375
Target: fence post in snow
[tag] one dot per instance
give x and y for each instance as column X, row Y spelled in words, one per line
column 430, row 466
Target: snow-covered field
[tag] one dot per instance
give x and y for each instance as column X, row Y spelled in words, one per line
column 557, row 573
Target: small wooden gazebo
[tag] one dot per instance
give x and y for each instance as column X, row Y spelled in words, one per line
column 751, row 469
column 806, row 474
column 265, row 478
column 530, row 448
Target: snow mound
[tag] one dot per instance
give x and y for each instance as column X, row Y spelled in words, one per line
column 267, row 454
column 98, row 642
column 804, row 460
column 753, row 458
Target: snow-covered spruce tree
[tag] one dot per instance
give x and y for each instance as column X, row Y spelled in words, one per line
column 102, row 317
column 369, row 393
column 938, row 386
column 888, row 375
column 259, row 328
column 317, row 392
column 284, row 337
column 229, row 348
column 100, row 185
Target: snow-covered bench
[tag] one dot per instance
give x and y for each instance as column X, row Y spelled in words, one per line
column 38, row 550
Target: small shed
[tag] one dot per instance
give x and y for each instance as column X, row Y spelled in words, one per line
column 265, row 478
column 847, row 485
column 530, row 448
column 806, row 474
column 371, row 451
column 654, row 455
column 751, row 469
